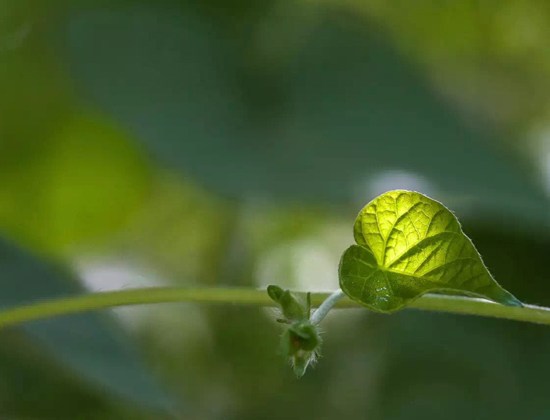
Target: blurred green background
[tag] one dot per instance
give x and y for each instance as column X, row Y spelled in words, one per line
column 151, row 143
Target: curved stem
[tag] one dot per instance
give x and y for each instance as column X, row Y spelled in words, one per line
column 102, row 300
column 326, row 306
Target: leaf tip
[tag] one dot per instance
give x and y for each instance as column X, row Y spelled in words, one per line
column 274, row 292
column 511, row 300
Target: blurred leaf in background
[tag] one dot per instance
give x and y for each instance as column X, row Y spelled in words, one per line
column 90, row 345
column 339, row 92
column 77, row 187
column 68, row 181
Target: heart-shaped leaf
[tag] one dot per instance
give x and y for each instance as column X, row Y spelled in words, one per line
column 408, row 245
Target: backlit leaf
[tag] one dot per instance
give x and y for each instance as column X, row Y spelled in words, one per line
column 408, row 245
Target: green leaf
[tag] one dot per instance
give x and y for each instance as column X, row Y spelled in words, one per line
column 408, row 245
column 335, row 82
column 79, row 186
column 301, row 343
column 291, row 307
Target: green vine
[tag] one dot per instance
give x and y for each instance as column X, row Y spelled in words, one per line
column 251, row 297
column 410, row 252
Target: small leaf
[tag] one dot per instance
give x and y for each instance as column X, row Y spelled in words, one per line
column 301, row 343
column 291, row 307
column 275, row 293
column 409, row 245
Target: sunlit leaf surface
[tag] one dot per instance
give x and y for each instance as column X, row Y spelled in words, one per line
column 408, row 245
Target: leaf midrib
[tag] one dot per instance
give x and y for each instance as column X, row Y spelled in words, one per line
column 402, row 273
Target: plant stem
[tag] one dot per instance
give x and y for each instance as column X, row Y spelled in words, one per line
column 326, row 306
column 254, row 297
